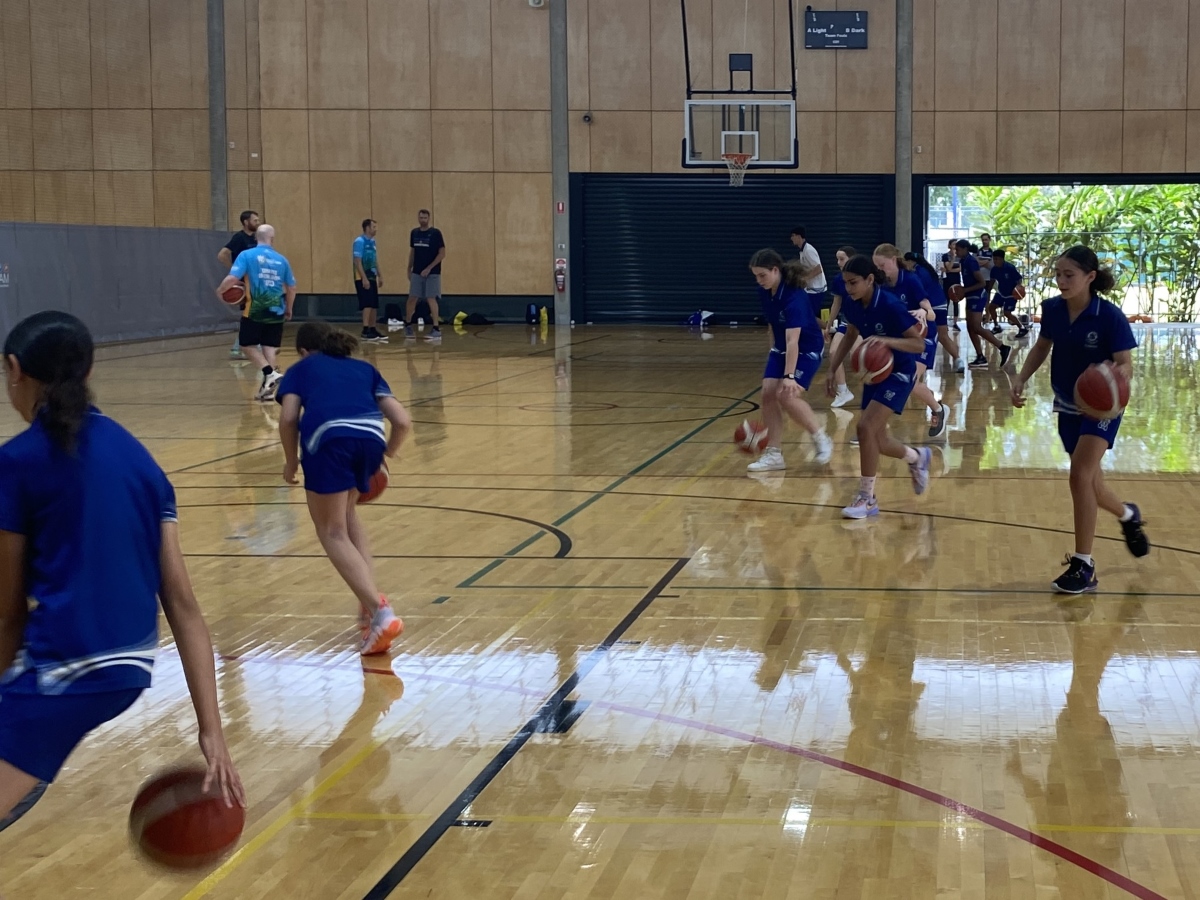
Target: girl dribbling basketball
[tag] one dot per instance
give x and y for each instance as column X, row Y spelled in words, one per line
column 89, row 546
column 344, row 402
column 880, row 317
column 1079, row 329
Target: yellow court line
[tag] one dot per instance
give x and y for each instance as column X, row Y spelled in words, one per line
column 297, row 810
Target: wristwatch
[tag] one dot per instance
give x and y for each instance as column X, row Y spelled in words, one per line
column 791, row 376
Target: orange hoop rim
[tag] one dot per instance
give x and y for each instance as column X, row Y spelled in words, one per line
column 738, row 160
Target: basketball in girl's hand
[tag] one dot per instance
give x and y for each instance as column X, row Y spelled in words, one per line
column 233, row 294
column 176, row 824
column 871, row 361
column 1102, row 392
column 751, row 437
column 379, row 483
column 1019, row 292
column 922, row 324
column 957, row 292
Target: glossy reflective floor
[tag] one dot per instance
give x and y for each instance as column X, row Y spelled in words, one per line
column 631, row 671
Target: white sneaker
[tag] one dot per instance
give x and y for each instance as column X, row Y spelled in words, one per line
column 824, row 447
column 844, row 396
column 862, row 507
column 270, row 383
column 770, row 461
column 959, row 366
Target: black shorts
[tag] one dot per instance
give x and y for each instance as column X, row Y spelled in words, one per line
column 368, row 297
column 260, row 334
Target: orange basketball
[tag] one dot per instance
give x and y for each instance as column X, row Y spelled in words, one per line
column 233, row 294
column 175, row 824
column 922, row 323
column 1019, row 292
column 871, row 361
column 1102, row 392
column 751, row 437
column 957, row 292
column 379, row 483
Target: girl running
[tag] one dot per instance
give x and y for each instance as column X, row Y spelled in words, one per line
column 882, row 317
column 1006, row 277
column 796, row 347
column 975, row 286
column 89, row 545
column 924, row 270
column 837, row 326
column 1082, row 328
column 914, row 294
column 345, row 402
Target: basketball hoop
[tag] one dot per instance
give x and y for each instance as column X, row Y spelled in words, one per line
column 737, row 163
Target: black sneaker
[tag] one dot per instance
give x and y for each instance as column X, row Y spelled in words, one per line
column 1022, row 332
column 409, row 334
column 1005, row 353
column 954, row 325
column 937, row 425
column 1080, row 578
column 979, row 362
column 1135, row 536
column 996, row 329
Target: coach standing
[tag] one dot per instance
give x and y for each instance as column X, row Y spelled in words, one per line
column 241, row 240
column 427, row 249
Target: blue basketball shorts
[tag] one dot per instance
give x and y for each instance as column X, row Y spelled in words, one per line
column 977, row 303
column 892, row 392
column 806, row 366
column 1072, row 427
column 941, row 317
column 342, row 463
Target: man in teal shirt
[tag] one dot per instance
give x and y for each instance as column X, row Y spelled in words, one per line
column 367, row 282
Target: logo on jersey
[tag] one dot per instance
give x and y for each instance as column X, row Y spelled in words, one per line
column 879, row 328
column 1103, row 425
column 889, row 395
column 1092, row 341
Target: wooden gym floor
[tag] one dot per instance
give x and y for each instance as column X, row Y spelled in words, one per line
column 631, row 671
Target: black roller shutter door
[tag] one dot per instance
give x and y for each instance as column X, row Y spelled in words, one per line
column 656, row 248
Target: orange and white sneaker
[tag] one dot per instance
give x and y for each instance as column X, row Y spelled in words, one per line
column 364, row 618
column 385, row 627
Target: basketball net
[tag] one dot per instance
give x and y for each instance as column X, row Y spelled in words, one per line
column 737, row 163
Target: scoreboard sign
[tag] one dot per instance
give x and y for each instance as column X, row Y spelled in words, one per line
column 835, row 30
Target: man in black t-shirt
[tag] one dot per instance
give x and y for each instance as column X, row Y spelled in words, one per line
column 427, row 249
column 241, row 240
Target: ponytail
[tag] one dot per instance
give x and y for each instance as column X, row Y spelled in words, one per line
column 321, row 337
column 1086, row 259
column 793, row 273
column 56, row 349
column 923, row 263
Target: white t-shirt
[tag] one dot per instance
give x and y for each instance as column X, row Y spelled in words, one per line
column 810, row 258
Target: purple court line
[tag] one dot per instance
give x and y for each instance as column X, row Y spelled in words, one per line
column 1112, row 876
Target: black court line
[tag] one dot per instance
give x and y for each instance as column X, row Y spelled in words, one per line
column 547, row 714
column 228, row 456
column 429, row 556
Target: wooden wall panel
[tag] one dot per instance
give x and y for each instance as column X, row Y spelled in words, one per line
column 1027, row 141
column 520, row 56
column 866, row 142
column 1154, row 141
column 16, row 139
column 817, row 133
column 120, row 51
column 398, row 42
column 739, row 27
column 1028, row 54
column 401, row 140
column 236, row 65
column 65, row 197
column 667, row 79
column 237, row 133
column 62, row 139
column 924, row 54
column 462, row 140
column 1156, row 54
column 339, row 140
column 816, row 76
column 1093, row 39
column 580, row 139
column 123, row 139
column 337, row 57
column 239, row 197
column 966, row 55
column 1089, row 141
column 181, row 200
column 1193, row 92
column 666, row 136
column 521, row 140
column 285, row 139
column 464, row 209
column 60, row 55
column 523, row 234
column 125, row 198
column 866, row 79
column 578, row 67
column 965, row 142
column 395, row 199
column 1193, row 142
column 286, row 207
column 924, row 144
column 283, row 54
column 340, row 201
column 17, row 197
column 621, row 142
column 253, row 57
column 179, row 53
column 181, row 139
column 619, row 55
column 460, row 42
column 16, row 68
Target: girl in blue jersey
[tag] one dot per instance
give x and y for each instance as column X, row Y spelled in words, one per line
column 797, row 344
column 837, row 326
column 345, row 402
column 1082, row 329
column 916, row 296
column 924, row 270
column 1005, row 277
column 880, row 316
column 89, row 545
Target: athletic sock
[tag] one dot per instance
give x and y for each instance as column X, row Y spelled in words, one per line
column 1127, row 516
column 911, row 456
column 866, row 485
column 1086, row 557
